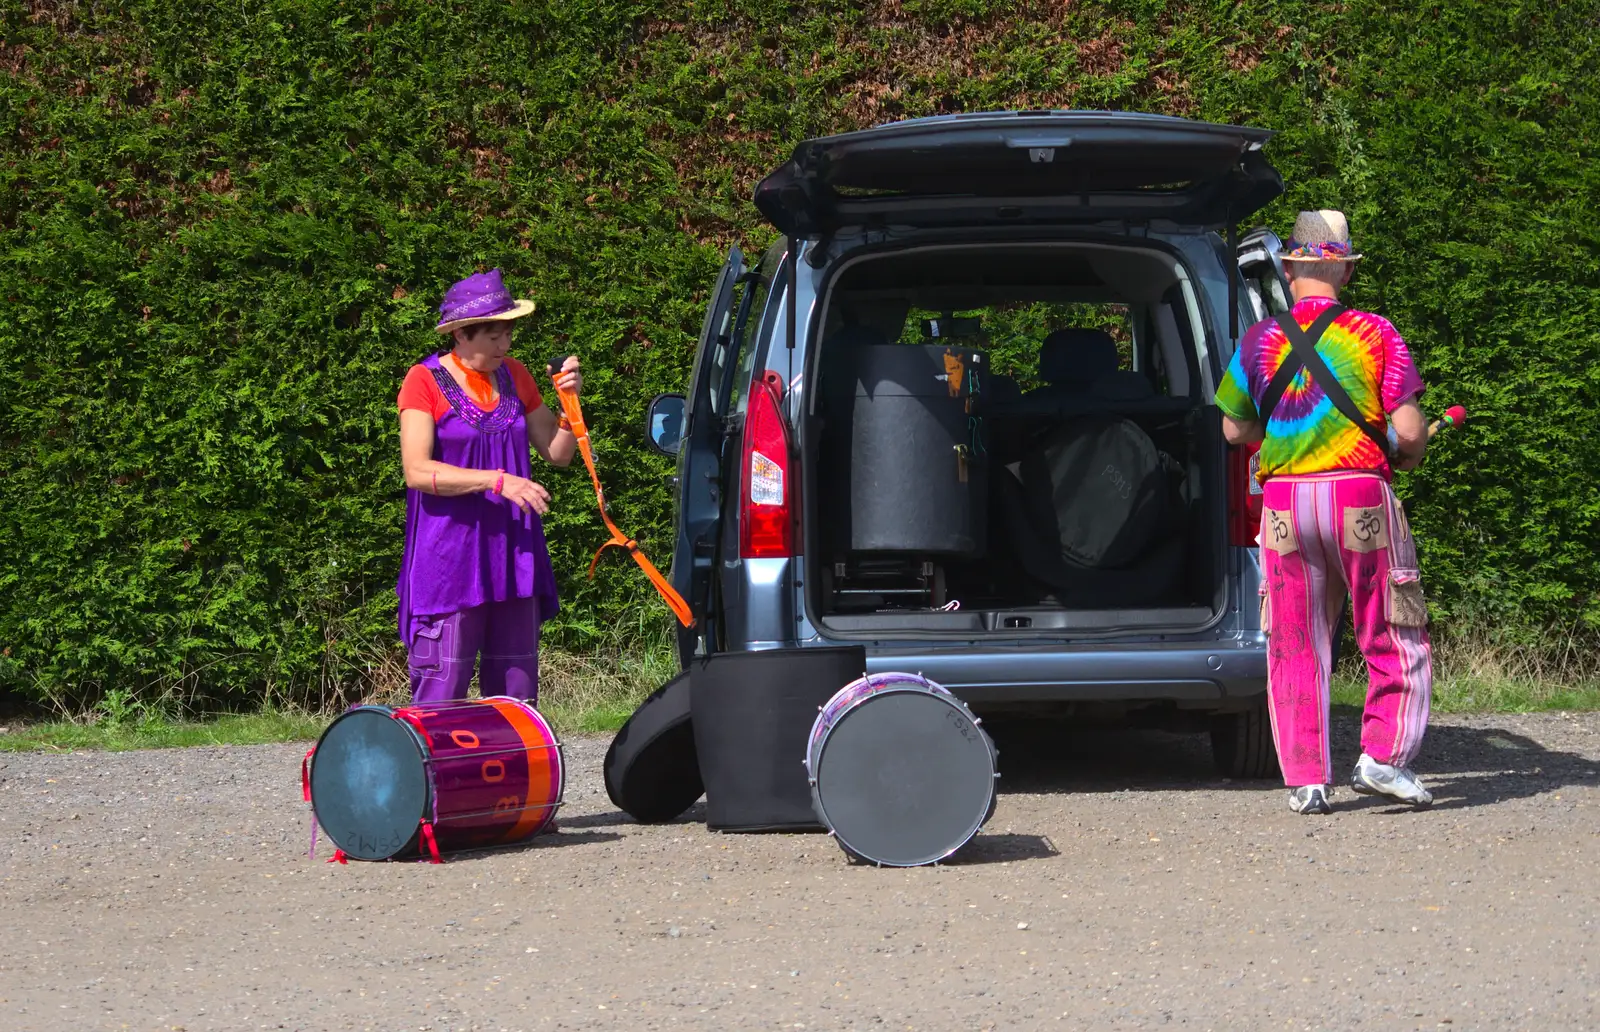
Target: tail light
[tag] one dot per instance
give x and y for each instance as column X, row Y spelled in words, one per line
column 1244, row 496
column 766, row 515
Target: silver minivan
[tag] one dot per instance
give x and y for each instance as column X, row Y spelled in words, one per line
column 960, row 413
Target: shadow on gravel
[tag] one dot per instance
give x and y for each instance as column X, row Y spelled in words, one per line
column 695, row 814
column 561, row 838
column 1465, row 766
column 1481, row 766
column 1041, row 756
column 997, row 849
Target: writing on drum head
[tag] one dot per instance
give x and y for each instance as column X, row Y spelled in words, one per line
column 367, row 845
column 963, row 725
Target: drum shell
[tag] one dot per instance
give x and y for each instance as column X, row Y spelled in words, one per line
column 918, row 479
column 496, row 770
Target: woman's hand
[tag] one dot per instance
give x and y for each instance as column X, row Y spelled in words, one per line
column 526, row 495
column 569, row 379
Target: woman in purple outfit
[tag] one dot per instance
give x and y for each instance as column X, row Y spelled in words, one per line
column 476, row 583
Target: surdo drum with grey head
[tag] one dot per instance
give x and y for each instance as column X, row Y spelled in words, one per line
column 901, row 772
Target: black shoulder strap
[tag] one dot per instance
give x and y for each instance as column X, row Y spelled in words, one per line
column 1293, row 363
column 1303, row 354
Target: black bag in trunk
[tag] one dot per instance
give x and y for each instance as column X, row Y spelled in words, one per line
column 1100, row 488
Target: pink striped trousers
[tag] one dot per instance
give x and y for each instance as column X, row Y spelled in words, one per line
column 1320, row 535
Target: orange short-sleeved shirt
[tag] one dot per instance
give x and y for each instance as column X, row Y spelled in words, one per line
column 421, row 391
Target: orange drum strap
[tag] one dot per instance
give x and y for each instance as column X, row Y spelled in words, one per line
column 536, row 807
column 680, row 608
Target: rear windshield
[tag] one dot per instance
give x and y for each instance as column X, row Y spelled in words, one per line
column 1038, row 314
column 1012, row 332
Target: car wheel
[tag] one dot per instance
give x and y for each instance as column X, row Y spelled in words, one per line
column 1241, row 743
column 652, row 771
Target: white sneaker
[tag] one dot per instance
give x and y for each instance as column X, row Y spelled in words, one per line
column 1309, row 799
column 1373, row 778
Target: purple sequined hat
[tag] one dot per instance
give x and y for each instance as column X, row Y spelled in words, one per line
column 480, row 298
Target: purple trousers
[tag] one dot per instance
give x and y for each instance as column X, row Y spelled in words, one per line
column 500, row 638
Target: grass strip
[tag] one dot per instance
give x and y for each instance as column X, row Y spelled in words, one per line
column 580, row 694
column 1472, row 694
column 159, row 733
column 595, row 693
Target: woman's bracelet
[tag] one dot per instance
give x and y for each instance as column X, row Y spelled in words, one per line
column 563, row 423
column 499, row 481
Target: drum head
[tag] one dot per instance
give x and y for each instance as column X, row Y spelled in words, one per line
column 905, row 778
column 369, row 787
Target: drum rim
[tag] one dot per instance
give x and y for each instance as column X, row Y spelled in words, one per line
column 949, row 699
column 423, row 751
column 915, row 683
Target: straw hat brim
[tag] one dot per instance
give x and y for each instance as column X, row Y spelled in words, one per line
column 1314, row 261
column 519, row 309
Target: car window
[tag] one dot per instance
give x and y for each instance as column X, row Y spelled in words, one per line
column 746, row 350
column 1013, row 333
column 1264, row 289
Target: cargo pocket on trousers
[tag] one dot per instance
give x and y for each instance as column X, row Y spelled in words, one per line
column 1266, row 610
column 425, row 653
column 1407, row 606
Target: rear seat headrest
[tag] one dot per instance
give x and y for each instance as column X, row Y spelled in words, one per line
column 856, row 335
column 1123, row 385
column 1074, row 355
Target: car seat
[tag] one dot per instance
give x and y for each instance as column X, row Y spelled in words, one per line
column 1072, row 359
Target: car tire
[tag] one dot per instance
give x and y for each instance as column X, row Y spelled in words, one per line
column 652, row 771
column 1241, row 743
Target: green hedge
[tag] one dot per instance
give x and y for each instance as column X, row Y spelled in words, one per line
column 224, row 226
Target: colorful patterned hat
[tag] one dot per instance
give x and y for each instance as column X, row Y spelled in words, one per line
column 1320, row 236
column 480, row 298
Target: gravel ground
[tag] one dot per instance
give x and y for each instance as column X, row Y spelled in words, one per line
column 1120, row 885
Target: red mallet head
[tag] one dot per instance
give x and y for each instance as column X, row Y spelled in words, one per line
column 1455, row 415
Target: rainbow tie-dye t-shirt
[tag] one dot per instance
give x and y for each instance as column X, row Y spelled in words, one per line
column 1306, row 433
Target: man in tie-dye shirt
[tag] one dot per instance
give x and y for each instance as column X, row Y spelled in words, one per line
column 1330, row 521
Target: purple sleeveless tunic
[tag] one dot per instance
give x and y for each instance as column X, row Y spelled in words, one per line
column 466, row 550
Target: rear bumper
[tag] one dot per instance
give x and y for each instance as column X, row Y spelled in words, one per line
column 1220, row 672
